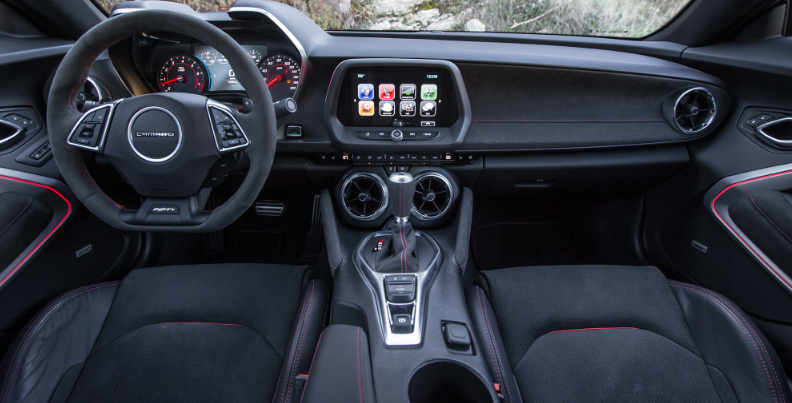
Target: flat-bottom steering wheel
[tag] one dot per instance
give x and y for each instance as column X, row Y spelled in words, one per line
column 165, row 145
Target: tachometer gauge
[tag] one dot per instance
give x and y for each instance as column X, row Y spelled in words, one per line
column 283, row 75
column 183, row 73
column 209, row 56
column 256, row 56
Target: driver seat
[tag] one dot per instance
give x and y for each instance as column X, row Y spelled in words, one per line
column 232, row 333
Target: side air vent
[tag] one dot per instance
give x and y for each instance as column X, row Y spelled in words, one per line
column 694, row 110
column 433, row 195
column 364, row 195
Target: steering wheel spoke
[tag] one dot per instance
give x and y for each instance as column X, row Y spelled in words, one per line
column 90, row 131
column 168, row 212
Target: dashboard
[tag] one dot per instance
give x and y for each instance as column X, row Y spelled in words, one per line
column 379, row 100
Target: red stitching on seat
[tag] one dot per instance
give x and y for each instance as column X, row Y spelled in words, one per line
column 501, row 377
column 302, row 337
column 199, row 323
column 593, row 328
column 721, row 303
column 37, row 325
column 360, row 371
column 294, row 344
column 311, row 367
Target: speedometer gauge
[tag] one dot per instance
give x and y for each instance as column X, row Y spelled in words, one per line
column 182, row 73
column 283, row 75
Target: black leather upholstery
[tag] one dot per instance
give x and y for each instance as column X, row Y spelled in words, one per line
column 608, row 333
column 341, row 369
column 181, row 333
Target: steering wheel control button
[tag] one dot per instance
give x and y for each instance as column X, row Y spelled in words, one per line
column 90, row 131
column 174, row 209
column 154, row 134
column 229, row 135
column 397, row 135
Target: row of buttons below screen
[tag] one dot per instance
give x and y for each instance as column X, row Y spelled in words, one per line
column 407, row 135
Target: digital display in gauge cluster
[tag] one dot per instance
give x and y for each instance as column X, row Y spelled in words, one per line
column 397, row 96
column 283, row 73
column 222, row 77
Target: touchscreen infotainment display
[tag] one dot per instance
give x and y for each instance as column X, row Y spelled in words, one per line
column 221, row 73
column 397, row 96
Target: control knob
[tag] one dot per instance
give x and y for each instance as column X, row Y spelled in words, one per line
column 397, row 135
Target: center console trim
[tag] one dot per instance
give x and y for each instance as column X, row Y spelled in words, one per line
column 424, row 280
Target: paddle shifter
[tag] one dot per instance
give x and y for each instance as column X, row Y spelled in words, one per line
column 398, row 251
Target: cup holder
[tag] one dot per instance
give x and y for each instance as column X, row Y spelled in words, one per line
column 448, row 381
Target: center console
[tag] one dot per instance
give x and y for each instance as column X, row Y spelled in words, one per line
column 397, row 229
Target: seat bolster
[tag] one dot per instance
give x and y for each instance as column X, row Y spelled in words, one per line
column 485, row 327
column 61, row 336
column 728, row 340
column 305, row 336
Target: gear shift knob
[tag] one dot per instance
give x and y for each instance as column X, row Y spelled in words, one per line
column 401, row 188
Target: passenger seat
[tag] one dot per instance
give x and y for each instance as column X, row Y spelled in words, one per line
column 614, row 333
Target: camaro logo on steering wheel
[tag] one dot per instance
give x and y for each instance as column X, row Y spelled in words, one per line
column 155, row 134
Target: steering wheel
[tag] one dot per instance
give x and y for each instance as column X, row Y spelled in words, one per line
column 168, row 146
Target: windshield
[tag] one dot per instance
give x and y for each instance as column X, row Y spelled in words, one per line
column 614, row 18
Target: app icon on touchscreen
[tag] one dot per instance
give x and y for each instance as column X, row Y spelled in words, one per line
column 366, row 91
column 366, row 108
column 387, row 91
column 407, row 92
column 429, row 92
column 428, row 108
column 407, row 108
column 387, row 108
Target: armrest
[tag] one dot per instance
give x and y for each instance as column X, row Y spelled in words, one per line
column 341, row 368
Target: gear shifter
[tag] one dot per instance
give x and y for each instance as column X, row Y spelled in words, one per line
column 398, row 252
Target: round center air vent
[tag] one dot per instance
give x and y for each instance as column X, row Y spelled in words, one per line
column 364, row 196
column 694, row 110
column 433, row 195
